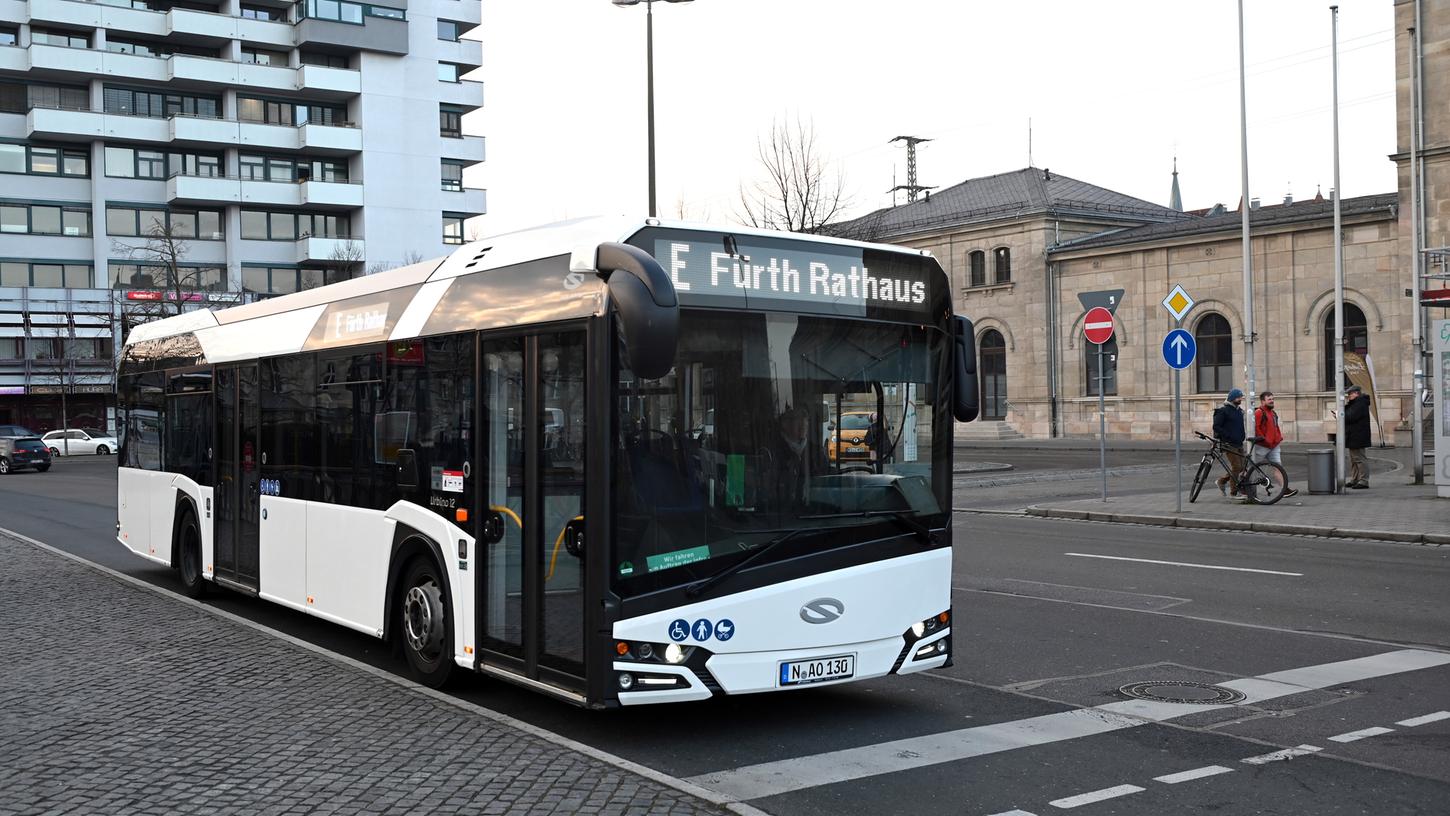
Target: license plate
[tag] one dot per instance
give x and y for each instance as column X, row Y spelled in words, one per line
column 855, row 450
column 818, row 670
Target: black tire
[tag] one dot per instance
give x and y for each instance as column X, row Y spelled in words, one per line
column 102, row 450
column 188, row 557
column 4, row 466
column 41, row 468
column 55, row 451
column 1265, row 482
column 424, row 625
column 1204, row 468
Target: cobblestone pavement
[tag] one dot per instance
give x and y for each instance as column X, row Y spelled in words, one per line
column 118, row 700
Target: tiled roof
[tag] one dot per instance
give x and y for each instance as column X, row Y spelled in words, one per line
column 1018, row 193
column 1261, row 218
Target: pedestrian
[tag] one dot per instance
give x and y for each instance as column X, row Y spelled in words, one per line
column 1228, row 429
column 1356, row 436
column 1266, row 429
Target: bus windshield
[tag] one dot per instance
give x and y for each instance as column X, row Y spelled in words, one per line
column 738, row 444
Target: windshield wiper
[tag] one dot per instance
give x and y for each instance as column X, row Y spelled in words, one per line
column 694, row 590
column 905, row 518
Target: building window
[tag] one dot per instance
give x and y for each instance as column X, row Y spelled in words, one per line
column 45, row 219
column 977, row 263
column 261, row 225
column 324, row 60
column 125, row 275
column 282, row 112
column 52, row 274
column 1002, row 257
column 280, row 280
column 18, row 97
column 64, row 39
column 1356, row 339
column 1110, row 367
column 203, row 225
column 264, row 56
column 1215, row 361
column 280, row 168
column 48, row 161
column 264, row 13
column 452, row 175
column 448, row 72
column 452, row 228
column 9, row 35
column 144, row 48
column 132, row 102
column 340, row 11
column 10, row 348
column 450, row 121
column 450, row 30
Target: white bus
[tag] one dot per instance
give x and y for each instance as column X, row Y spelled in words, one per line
column 587, row 458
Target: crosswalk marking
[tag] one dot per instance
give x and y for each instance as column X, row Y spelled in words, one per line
column 1095, row 796
column 1353, row 736
column 1280, row 756
column 1189, row 776
column 801, row 772
column 1425, row 720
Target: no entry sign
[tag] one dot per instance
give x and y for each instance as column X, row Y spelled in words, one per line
column 1097, row 327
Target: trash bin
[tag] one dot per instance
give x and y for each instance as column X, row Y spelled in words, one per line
column 1321, row 471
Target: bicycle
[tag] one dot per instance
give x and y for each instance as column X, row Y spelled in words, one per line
column 1260, row 482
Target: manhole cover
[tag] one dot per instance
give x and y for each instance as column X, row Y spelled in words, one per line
column 1181, row 691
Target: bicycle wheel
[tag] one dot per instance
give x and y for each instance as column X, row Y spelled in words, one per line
column 1204, row 468
column 1264, row 482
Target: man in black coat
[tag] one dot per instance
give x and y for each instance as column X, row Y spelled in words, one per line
column 1356, row 436
column 1228, row 429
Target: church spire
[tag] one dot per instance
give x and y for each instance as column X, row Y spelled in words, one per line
column 1175, row 198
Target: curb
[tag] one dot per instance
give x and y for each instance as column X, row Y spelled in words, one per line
column 719, row 800
column 1431, row 539
column 987, row 467
column 1081, row 474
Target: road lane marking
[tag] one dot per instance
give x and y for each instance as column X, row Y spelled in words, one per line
column 1354, row 736
column 813, row 770
column 1015, row 813
column 1425, row 720
column 1095, row 796
column 1282, row 756
column 1189, row 776
column 1185, row 564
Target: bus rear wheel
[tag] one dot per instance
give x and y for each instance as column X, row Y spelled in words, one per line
column 424, row 627
column 188, row 557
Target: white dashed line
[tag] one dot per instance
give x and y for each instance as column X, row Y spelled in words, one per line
column 1280, row 756
column 1185, row 564
column 1189, row 776
column 1425, row 720
column 1352, row 736
column 1095, row 796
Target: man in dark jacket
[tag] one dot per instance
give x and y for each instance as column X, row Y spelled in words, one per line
column 1356, row 436
column 1228, row 429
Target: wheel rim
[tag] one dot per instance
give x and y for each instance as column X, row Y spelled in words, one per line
column 423, row 620
column 55, row 452
column 4, row 466
column 101, row 451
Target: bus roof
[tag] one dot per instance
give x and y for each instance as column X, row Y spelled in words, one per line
column 404, row 302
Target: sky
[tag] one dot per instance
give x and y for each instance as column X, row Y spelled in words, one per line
column 1114, row 90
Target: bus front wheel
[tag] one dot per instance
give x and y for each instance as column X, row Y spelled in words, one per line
column 188, row 557
column 424, row 627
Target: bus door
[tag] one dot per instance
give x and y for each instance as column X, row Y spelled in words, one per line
column 530, row 580
column 238, row 464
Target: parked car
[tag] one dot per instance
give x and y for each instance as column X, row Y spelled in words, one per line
column 24, row 452
column 79, row 441
column 15, row 431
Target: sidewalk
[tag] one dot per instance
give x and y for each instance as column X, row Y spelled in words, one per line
column 1391, row 510
column 122, row 700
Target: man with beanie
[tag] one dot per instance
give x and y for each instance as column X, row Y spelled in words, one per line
column 1228, row 429
column 1356, row 436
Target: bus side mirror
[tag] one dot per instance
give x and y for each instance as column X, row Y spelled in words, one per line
column 649, row 312
column 965, row 396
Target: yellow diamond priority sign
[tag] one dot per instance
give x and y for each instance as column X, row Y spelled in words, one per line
column 1178, row 303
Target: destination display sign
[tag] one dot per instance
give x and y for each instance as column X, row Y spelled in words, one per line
column 760, row 272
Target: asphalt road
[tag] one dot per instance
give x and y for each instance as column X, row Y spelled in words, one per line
column 1346, row 638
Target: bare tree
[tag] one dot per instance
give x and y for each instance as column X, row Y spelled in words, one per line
column 160, row 258
column 799, row 190
column 59, row 371
column 344, row 259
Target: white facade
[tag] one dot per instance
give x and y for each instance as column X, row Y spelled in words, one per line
column 285, row 144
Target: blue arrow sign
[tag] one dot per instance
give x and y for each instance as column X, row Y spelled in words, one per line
column 1179, row 349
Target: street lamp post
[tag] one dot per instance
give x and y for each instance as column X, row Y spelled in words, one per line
column 649, row 62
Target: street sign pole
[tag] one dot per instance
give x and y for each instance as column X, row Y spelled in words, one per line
column 1102, row 425
column 1179, row 349
column 1178, row 428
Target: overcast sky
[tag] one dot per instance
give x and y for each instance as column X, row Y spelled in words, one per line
column 1114, row 89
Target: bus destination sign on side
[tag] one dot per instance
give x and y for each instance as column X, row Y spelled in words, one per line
column 823, row 274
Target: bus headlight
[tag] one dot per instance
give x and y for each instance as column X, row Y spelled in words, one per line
column 918, row 628
column 675, row 653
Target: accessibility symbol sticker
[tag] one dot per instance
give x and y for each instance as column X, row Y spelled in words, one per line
column 679, row 630
column 703, row 629
column 724, row 629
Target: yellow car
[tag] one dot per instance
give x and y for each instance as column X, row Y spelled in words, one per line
column 848, row 443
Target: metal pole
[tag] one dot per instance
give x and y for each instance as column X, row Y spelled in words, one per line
column 1178, row 427
column 1102, row 423
column 1417, row 262
column 1244, row 207
column 649, row 62
column 1338, row 270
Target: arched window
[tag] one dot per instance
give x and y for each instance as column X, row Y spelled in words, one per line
column 977, row 262
column 1003, row 258
column 1215, row 363
column 993, row 370
column 1356, row 338
column 1110, row 367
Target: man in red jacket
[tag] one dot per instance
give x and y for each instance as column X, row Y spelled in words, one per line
column 1266, row 427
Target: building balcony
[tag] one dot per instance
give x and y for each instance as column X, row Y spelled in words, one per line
column 468, row 148
column 98, row 15
column 202, row 190
column 332, row 193
column 329, row 81
column 221, row 27
column 14, row 58
column 462, row 52
column 200, row 131
column 221, row 73
column 332, row 139
column 467, row 92
column 328, row 249
column 84, row 125
column 375, row 34
column 470, row 200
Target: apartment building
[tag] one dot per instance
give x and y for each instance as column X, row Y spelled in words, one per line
column 156, row 155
